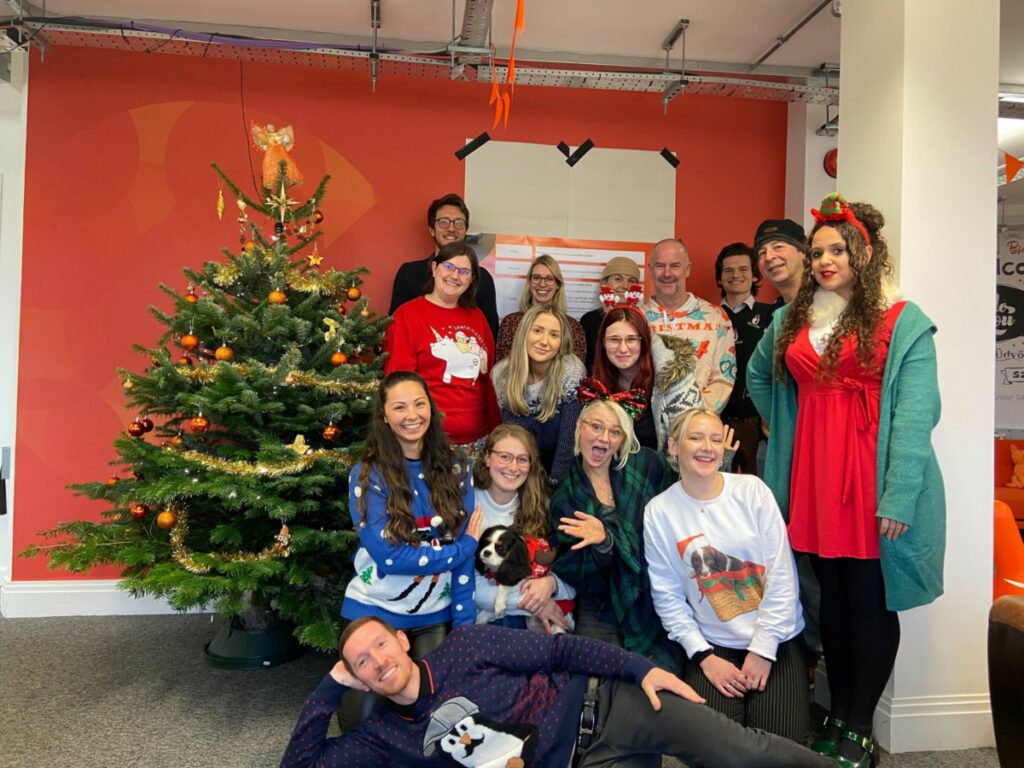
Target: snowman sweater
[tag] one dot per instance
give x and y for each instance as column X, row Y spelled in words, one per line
column 410, row 585
column 515, row 685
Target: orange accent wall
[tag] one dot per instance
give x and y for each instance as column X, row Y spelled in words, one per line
column 119, row 195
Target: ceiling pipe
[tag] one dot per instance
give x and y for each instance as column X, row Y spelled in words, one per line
column 786, row 37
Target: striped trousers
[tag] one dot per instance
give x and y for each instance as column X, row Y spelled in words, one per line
column 782, row 708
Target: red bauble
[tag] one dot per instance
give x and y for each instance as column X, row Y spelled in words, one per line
column 189, row 341
column 224, row 353
column 331, row 432
column 135, row 429
column 339, row 358
column 167, row 519
column 147, row 424
column 200, row 424
column 341, row 310
column 353, row 293
column 318, row 216
column 184, row 360
column 138, row 511
column 277, row 297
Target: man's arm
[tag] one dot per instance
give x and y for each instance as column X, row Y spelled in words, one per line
column 722, row 368
column 487, row 300
column 408, row 284
column 309, row 746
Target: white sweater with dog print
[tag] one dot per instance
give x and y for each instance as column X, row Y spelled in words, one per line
column 721, row 570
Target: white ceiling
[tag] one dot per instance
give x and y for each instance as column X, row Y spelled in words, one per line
column 724, row 35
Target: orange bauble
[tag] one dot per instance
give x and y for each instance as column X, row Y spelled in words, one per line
column 224, row 353
column 138, row 510
column 277, row 297
column 191, row 298
column 341, row 310
column 184, row 360
column 200, row 424
column 167, row 519
column 339, row 358
column 331, row 433
column 112, row 480
column 353, row 293
column 177, row 440
column 189, row 341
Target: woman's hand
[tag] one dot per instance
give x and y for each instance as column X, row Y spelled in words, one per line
column 890, row 528
column 587, row 528
column 551, row 616
column 756, row 668
column 537, row 593
column 475, row 524
column 728, row 442
column 730, row 681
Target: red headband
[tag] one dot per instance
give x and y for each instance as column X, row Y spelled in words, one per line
column 632, row 400
column 835, row 208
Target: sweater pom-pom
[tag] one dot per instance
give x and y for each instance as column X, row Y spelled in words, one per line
column 436, row 521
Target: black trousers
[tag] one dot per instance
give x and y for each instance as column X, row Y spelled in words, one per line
column 357, row 705
column 694, row 733
column 859, row 634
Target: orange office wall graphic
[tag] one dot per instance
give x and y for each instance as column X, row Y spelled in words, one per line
column 119, row 196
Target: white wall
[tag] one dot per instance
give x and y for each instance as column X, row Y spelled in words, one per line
column 806, row 180
column 13, row 97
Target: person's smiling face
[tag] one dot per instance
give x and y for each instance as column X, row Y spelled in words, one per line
column 830, row 262
column 407, row 413
column 379, row 660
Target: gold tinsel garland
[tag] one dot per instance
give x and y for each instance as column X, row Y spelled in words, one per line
column 270, row 469
column 332, row 284
column 206, row 374
column 183, row 555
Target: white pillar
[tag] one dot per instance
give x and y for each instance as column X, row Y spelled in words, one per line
column 919, row 83
column 13, row 99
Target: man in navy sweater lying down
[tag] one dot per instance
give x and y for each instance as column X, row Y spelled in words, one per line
column 492, row 697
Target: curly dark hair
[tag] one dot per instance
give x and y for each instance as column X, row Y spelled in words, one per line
column 443, row 467
column 863, row 313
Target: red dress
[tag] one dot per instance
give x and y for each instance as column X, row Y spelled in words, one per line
column 832, row 487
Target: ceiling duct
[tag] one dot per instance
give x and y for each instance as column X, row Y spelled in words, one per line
column 472, row 43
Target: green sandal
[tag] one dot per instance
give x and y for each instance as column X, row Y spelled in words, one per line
column 868, row 760
column 824, row 745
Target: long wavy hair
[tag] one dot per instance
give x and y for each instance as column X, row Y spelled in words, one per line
column 442, row 468
column 531, row 518
column 863, row 313
column 558, row 302
column 606, row 372
column 519, row 366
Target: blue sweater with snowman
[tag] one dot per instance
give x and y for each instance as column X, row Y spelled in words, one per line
column 410, row 585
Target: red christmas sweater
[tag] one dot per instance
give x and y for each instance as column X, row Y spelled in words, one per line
column 453, row 350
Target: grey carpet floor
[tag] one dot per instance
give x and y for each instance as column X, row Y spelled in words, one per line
column 106, row 692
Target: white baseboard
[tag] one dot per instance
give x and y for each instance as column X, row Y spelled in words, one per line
column 926, row 723
column 920, row 723
column 97, row 597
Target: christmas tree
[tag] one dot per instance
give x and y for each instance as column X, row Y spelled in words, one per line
column 233, row 490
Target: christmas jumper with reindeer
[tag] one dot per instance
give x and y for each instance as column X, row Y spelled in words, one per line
column 721, row 569
column 410, row 585
column 453, row 350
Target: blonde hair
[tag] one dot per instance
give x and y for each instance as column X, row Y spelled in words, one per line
column 629, row 445
column 519, row 366
column 682, row 421
column 558, row 302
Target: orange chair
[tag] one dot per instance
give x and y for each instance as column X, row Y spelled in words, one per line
column 1008, row 573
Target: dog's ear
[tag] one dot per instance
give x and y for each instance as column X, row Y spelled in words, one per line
column 517, row 559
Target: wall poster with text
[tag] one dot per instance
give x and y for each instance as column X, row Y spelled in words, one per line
column 1009, row 410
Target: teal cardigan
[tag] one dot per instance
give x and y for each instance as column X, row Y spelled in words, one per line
column 909, row 485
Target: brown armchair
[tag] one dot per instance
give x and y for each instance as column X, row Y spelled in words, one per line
column 1006, row 677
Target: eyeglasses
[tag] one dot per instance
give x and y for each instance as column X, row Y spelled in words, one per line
column 597, row 429
column 543, row 279
column 617, row 341
column 507, row 458
column 444, row 222
column 461, row 271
